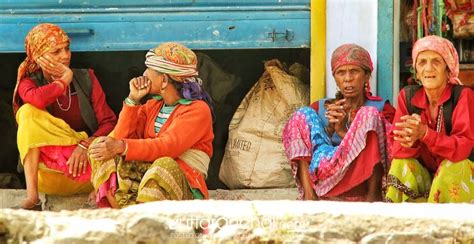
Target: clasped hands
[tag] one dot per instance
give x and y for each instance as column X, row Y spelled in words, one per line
column 409, row 130
column 337, row 118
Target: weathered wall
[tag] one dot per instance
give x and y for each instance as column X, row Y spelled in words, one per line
column 353, row 21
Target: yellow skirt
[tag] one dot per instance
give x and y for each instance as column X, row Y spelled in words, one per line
column 409, row 181
column 56, row 183
column 38, row 128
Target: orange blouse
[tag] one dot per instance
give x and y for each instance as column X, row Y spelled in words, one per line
column 188, row 127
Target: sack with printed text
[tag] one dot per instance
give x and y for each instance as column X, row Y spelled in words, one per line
column 254, row 155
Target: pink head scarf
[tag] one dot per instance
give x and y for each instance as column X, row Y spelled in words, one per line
column 445, row 48
column 353, row 54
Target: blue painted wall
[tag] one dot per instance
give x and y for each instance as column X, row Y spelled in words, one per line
column 122, row 25
column 385, row 49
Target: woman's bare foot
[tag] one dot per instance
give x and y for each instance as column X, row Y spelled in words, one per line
column 310, row 196
column 112, row 201
column 30, row 204
column 91, row 199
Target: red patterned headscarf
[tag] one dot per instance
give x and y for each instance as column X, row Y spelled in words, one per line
column 444, row 48
column 40, row 40
column 175, row 60
column 353, row 54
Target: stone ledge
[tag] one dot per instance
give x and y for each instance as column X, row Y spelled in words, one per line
column 10, row 198
column 245, row 221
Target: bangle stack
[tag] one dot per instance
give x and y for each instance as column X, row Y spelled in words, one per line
column 84, row 144
column 130, row 101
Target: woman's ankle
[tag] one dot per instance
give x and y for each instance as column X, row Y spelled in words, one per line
column 30, row 202
column 112, row 201
column 311, row 196
column 33, row 199
column 374, row 197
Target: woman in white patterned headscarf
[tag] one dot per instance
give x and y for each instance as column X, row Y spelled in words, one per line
column 164, row 146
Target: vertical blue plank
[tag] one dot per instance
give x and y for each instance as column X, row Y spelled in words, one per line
column 385, row 49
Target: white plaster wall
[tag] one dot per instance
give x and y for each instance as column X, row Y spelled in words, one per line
column 350, row 21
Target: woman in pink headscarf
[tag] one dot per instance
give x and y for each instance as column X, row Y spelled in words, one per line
column 431, row 150
column 337, row 147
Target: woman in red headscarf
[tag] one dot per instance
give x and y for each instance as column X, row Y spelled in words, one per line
column 59, row 111
column 433, row 162
column 160, row 149
column 337, row 147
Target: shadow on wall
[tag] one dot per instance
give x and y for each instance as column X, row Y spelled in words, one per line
column 115, row 69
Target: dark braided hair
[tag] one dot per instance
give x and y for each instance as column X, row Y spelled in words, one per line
column 193, row 91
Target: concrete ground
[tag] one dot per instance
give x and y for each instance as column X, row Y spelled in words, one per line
column 10, row 198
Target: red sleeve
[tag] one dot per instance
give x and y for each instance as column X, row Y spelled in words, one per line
column 458, row 145
column 106, row 118
column 191, row 124
column 39, row 96
column 398, row 150
column 388, row 111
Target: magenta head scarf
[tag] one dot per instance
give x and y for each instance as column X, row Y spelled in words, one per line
column 353, row 54
column 444, row 48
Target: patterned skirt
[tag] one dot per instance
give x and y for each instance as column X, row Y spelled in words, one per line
column 409, row 181
column 332, row 166
column 135, row 182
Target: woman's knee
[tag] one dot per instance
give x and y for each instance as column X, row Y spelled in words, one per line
column 27, row 111
column 400, row 163
column 368, row 113
column 94, row 141
column 370, row 109
column 164, row 161
column 446, row 170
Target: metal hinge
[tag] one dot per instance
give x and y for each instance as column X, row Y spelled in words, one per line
column 287, row 35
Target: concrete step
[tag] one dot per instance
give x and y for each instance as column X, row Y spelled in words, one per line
column 10, row 198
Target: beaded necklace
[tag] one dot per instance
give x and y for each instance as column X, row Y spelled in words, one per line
column 69, row 101
column 439, row 120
